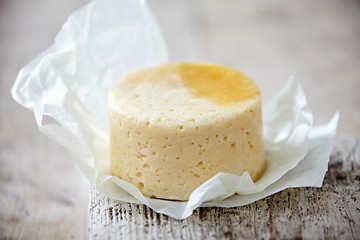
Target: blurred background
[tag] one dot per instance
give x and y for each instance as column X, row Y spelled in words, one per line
column 42, row 192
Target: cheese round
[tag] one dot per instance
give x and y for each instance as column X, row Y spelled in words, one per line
column 174, row 126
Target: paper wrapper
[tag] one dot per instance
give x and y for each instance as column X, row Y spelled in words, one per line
column 67, row 87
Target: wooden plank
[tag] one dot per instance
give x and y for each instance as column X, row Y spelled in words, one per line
column 330, row 212
column 43, row 194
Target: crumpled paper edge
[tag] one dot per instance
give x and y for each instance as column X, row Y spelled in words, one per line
column 74, row 127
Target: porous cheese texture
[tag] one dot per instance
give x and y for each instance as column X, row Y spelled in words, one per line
column 174, row 126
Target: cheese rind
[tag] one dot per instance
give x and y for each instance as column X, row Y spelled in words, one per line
column 168, row 135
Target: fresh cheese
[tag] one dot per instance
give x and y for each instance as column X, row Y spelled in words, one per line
column 174, row 126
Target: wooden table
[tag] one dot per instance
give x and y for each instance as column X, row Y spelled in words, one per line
column 43, row 195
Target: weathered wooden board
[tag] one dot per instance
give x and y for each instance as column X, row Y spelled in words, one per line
column 330, row 212
column 43, row 194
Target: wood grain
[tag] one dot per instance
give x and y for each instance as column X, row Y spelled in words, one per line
column 43, row 195
column 330, row 212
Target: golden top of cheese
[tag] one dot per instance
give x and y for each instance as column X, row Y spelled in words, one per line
column 220, row 84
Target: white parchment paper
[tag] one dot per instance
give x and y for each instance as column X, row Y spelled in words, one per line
column 67, row 86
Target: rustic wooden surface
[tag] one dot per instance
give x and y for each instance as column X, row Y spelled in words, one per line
column 330, row 212
column 43, row 194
